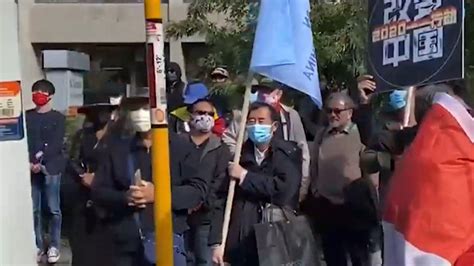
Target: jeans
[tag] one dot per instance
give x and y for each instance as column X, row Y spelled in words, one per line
column 45, row 189
column 179, row 256
column 201, row 249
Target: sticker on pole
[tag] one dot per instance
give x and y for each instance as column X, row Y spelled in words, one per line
column 156, row 73
column 11, row 118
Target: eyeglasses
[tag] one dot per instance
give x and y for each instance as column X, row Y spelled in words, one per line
column 204, row 113
column 336, row 111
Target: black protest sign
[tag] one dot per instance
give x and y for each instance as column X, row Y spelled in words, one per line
column 414, row 42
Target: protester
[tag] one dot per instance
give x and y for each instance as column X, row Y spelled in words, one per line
column 127, row 198
column 222, row 99
column 290, row 129
column 437, row 167
column 213, row 157
column 267, row 180
column 175, row 86
column 341, row 201
column 180, row 118
column 46, row 129
column 90, row 241
column 219, row 75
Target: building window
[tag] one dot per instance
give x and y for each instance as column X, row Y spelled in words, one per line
column 193, row 52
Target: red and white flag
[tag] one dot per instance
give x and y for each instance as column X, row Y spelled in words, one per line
column 429, row 217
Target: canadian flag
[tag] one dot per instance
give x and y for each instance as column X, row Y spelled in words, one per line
column 429, row 216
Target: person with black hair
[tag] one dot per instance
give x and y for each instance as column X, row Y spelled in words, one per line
column 213, row 157
column 268, row 181
column 90, row 240
column 45, row 129
column 290, row 129
column 123, row 186
column 179, row 119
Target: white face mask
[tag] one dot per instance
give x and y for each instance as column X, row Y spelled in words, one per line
column 203, row 123
column 141, row 120
column 115, row 100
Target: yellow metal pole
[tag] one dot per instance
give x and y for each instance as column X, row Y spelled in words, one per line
column 160, row 147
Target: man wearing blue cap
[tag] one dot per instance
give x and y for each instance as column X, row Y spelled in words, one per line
column 180, row 117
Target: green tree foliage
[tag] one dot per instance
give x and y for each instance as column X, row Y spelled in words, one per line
column 340, row 33
column 339, row 30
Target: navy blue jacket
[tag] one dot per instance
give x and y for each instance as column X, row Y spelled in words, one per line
column 46, row 133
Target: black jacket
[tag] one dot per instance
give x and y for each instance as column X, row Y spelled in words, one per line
column 362, row 204
column 214, row 160
column 175, row 90
column 113, row 180
column 46, row 133
column 277, row 181
column 88, row 232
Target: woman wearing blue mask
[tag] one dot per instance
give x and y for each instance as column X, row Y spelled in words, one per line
column 268, row 179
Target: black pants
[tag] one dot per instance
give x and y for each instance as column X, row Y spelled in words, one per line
column 337, row 243
column 338, row 238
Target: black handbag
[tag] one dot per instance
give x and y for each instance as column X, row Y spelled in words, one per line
column 287, row 241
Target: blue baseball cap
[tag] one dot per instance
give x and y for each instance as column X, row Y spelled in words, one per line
column 194, row 92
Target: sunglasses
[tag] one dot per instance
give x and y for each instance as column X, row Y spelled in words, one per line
column 205, row 113
column 336, row 111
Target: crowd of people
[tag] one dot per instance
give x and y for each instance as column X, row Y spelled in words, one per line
column 332, row 165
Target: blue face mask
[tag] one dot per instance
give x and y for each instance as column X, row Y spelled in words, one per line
column 253, row 97
column 260, row 134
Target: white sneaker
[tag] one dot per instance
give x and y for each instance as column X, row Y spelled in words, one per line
column 53, row 255
column 39, row 255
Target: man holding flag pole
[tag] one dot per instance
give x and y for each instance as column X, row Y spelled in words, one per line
column 286, row 56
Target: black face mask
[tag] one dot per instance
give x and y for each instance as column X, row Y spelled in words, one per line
column 100, row 120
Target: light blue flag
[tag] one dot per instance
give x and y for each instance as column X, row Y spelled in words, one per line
column 283, row 49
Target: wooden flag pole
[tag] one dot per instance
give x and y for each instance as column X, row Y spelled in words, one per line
column 236, row 160
column 408, row 112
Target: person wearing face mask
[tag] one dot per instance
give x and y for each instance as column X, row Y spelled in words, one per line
column 267, row 180
column 291, row 128
column 175, row 86
column 342, row 201
column 213, row 157
column 127, row 199
column 90, row 241
column 45, row 129
column 179, row 119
